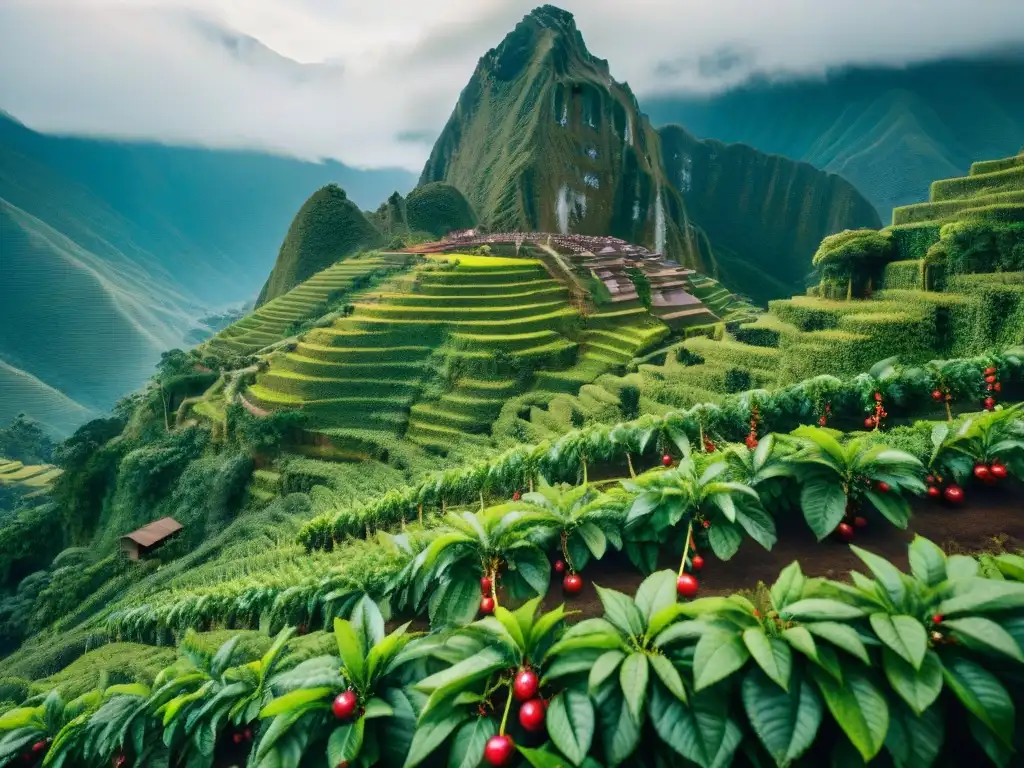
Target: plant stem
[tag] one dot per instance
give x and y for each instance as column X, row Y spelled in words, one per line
column 481, row 500
column 583, row 459
column 565, row 552
column 629, row 460
column 949, row 412
column 686, row 547
column 508, row 707
column 419, row 514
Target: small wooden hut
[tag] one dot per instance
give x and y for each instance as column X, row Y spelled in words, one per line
column 143, row 541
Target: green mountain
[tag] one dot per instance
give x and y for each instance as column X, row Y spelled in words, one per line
column 890, row 132
column 544, row 138
column 115, row 252
column 327, row 228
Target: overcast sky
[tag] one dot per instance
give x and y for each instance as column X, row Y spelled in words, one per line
column 371, row 82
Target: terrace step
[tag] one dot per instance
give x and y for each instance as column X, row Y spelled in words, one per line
column 512, row 299
column 434, row 414
column 310, row 366
column 441, row 439
column 319, row 388
column 484, row 289
column 512, row 342
column 427, row 313
column 363, row 355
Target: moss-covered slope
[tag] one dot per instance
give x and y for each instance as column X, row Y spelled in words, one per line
column 438, row 208
column 544, row 138
column 327, row 228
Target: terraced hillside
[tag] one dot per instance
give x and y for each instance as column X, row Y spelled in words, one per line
column 434, row 354
column 969, row 248
column 276, row 319
column 32, row 479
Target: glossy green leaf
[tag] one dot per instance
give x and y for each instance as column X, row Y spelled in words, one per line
column 927, row 561
column 295, row 700
column 982, row 694
column 842, row 636
column 570, row 723
column 824, row 505
column 594, row 538
column 758, row 524
column 984, row 634
column 431, row 733
column 821, row 609
column 859, row 708
column 668, row 675
column 905, row 635
column 633, row 680
column 789, row 587
column 717, row 655
column 786, row 722
column 914, row 740
column 621, row 611
column 656, row 593
column 771, row 654
column 887, row 574
column 604, row 667
column 725, row 539
column 918, row 688
column 470, row 739
column 345, row 742
column 984, row 596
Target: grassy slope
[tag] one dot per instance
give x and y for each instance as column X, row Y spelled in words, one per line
column 84, row 326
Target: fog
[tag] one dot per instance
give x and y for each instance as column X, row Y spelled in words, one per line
column 371, row 84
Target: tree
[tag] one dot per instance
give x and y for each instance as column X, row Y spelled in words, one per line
column 25, row 441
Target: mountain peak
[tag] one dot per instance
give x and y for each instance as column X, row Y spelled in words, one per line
column 547, row 31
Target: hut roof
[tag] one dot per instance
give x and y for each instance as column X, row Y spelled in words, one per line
column 148, row 535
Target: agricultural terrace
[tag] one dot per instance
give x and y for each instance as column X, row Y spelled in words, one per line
column 435, row 353
column 31, row 480
column 643, row 560
column 283, row 316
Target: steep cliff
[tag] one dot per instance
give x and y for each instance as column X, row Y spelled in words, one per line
column 327, row 228
column 544, row 138
column 764, row 214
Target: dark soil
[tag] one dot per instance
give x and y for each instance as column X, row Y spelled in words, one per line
column 993, row 519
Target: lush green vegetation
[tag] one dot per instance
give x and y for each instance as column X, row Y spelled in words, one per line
column 805, row 671
column 438, row 208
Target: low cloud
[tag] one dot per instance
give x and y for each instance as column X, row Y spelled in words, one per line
column 371, row 84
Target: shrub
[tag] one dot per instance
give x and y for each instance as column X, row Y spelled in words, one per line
column 629, row 402
column 907, row 275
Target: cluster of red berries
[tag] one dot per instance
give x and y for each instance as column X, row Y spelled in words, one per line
column 687, row 584
column 755, row 418
column 952, row 493
column 709, row 446
column 875, row 420
column 990, row 473
column 938, row 395
column 37, row 750
column 992, row 387
column 666, row 460
column 487, row 601
column 517, row 496
column 572, row 582
column 846, row 530
column 242, row 735
column 500, row 749
column 824, row 417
